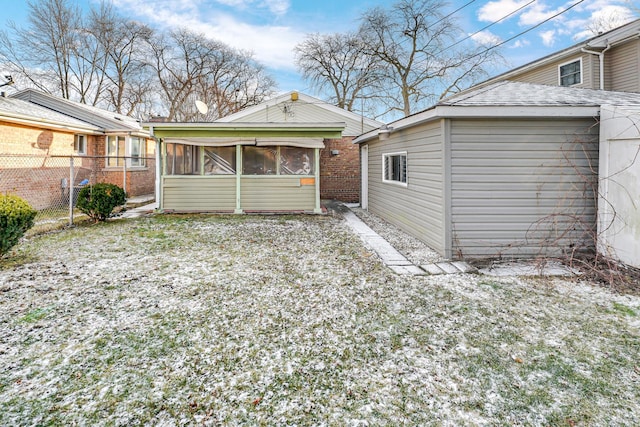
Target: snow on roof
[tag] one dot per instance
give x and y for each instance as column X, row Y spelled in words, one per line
column 518, row 93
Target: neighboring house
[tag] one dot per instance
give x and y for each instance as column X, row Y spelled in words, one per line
column 116, row 148
column 241, row 167
column 508, row 169
column 29, row 136
column 339, row 159
column 609, row 61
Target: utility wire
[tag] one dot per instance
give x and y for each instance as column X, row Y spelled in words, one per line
column 488, row 26
column 454, row 12
column 525, row 31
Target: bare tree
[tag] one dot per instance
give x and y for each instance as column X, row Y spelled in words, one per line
column 44, row 51
column 337, row 63
column 191, row 67
column 121, row 44
column 416, row 44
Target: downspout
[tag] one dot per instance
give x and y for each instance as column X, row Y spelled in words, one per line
column 601, row 60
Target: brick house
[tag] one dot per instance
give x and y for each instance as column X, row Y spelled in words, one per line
column 339, row 159
column 40, row 134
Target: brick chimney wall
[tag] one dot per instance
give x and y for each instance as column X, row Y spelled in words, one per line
column 340, row 173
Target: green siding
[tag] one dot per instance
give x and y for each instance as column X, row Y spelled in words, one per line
column 196, row 193
column 276, row 193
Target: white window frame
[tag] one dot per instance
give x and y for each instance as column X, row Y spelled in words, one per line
column 578, row 60
column 80, row 148
column 385, row 156
column 127, row 152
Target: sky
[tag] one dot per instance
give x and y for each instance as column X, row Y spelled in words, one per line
column 271, row 28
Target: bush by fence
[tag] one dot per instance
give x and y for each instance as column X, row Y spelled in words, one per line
column 50, row 184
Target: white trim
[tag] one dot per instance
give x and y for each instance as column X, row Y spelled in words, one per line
column 302, row 99
column 579, row 60
column 364, row 177
column 406, row 166
column 488, row 111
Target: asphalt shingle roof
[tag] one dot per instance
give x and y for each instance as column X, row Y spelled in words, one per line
column 12, row 107
column 509, row 93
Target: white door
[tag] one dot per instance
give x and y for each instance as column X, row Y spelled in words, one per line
column 364, row 176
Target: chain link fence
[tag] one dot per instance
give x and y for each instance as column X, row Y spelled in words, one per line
column 51, row 183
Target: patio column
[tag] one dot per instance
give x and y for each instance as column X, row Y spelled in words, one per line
column 238, row 209
column 318, row 208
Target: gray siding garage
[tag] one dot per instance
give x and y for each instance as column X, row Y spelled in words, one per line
column 505, row 171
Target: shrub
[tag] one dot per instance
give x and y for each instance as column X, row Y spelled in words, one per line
column 16, row 217
column 99, row 200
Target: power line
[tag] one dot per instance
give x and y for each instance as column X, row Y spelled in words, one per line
column 505, row 41
column 488, row 26
column 454, row 12
column 525, row 31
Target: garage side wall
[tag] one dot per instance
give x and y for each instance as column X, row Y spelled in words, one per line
column 523, row 187
column 418, row 208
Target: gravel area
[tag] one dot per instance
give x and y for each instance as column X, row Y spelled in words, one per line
column 290, row 320
column 413, row 249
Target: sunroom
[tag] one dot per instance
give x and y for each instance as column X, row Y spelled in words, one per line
column 240, row 167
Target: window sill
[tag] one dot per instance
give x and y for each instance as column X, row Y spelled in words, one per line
column 396, row 183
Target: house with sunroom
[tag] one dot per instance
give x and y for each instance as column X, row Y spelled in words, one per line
column 284, row 155
column 241, row 167
column 608, row 61
column 116, row 149
column 339, row 158
column 509, row 169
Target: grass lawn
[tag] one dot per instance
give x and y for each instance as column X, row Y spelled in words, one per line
column 290, row 320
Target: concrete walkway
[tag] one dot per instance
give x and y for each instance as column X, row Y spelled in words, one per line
column 389, row 255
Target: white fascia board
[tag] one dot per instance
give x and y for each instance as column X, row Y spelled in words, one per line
column 244, row 125
column 516, row 111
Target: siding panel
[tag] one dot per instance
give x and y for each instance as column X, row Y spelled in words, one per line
column 192, row 193
column 418, row 208
column 548, row 74
column 531, row 190
column 277, row 193
column 622, row 64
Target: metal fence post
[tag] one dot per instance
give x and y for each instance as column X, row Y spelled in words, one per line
column 71, row 190
column 124, row 173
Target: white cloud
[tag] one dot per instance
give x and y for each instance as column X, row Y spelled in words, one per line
column 520, row 43
column 604, row 19
column 486, row 38
column 548, row 37
column 537, row 13
column 272, row 45
column 495, row 10
column 277, row 7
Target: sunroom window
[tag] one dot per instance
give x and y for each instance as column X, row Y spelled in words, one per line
column 259, row 160
column 296, row 161
column 182, row 160
column 219, row 160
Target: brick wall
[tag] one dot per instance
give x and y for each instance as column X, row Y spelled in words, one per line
column 340, row 174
